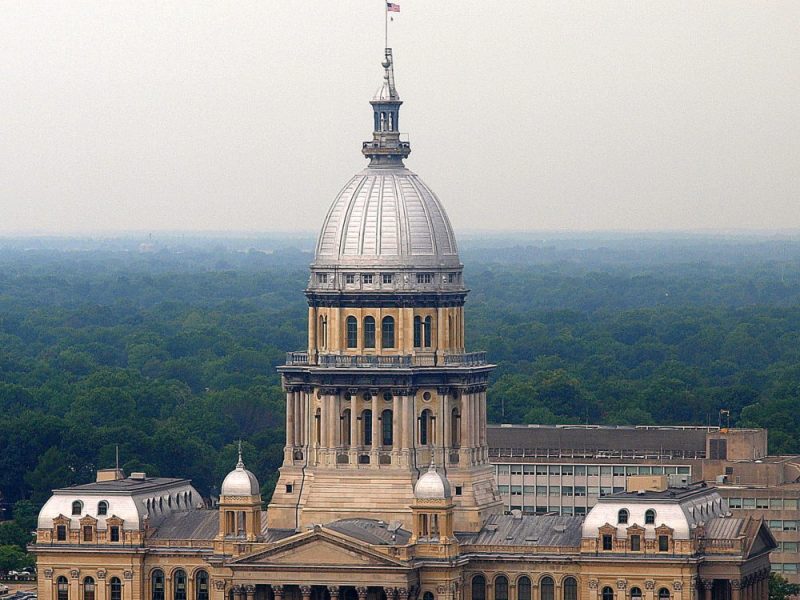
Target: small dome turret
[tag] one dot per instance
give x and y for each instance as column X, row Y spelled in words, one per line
column 240, row 481
column 432, row 486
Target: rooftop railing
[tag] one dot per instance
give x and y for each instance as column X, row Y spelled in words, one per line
column 427, row 359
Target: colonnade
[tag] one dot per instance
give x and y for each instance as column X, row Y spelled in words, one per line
column 455, row 420
column 250, row 591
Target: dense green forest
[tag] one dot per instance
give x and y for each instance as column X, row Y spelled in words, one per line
column 171, row 353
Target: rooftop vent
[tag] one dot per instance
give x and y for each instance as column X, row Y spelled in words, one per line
column 640, row 492
column 516, row 514
column 560, row 528
column 139, row 476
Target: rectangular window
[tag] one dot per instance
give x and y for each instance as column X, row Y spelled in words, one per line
column 663, row 543
column 605, row 471
column 658, row 470
column 566, row 470
column 61, row 533
column 555, row 490
column 87, row 533
column 566, row 490
column 322, row 278
column 684, row 470
column 452, row 277
column 776, row 503
column 636, row 543
column 592, row 470
column 386, row 277
column 516, row 469
column 367, row 278
column 540, row 510
column 424, row 277
column 790, row 525
column 516, row 490
column 529, row 470
column 608, row 542
column 645, row 471
column 580, row 470
column 776, row 525
column 541, row 490
column 503, row 489
column 554, row 470
column 790, row 546
column 790, row 567
column 529, row 489
column 605, row 490
column 580, row 511
column 566, row 511
column 541, row 469
column 748, row 502
column 671, row 470
column 618, row 490
column 580, row 490
column 762, row 503
column 502, row 469
column 115, row 533
column 618, row 471
column 790, row 504
column 349, row 278
column 735, row 502
column 594, row 490
column 458, row 490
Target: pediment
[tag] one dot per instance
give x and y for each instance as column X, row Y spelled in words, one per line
column 762, row 542
column 319, row 549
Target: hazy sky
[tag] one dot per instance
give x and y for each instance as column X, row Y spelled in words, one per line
column 245, row 115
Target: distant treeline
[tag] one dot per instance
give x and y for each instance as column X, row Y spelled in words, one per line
column 170, row 353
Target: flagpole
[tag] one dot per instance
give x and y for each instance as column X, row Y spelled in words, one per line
column 386, row 24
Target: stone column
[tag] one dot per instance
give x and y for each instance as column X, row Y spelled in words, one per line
column 291, row 400
column 464, row 419
column 376, row 425
column 447, row 435
column 620, row 594
column 298, row 417
column 708, row 585
column 389, row 591
column 649, row 589
column 397, row 417
column 482, row 412
column 355, row 440
column 249, row 591
column 474, row 418
column 305, row 592
column 405, row 432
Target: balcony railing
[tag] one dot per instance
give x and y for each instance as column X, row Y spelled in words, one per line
column 427, row 359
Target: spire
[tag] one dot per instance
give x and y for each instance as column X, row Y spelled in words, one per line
column 240, row 464
column 385, row 149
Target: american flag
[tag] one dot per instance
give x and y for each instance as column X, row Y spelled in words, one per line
column 392, row 7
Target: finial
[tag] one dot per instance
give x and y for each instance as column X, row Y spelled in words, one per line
column 432, row 467
column 240, row 464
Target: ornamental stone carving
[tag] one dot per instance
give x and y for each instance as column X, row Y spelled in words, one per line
column 74, row 573
column 707, row 584
column 650, row 584
column 101, row 573
column 127, row 574
column 622, row 584
column 219, row 584
column 48, row 573
column 402, row 593
column 593, row 583
column 250, row 589
column 677, row 585
column 362, row 593
column 277, row 591
column 305, row 590
column 736, row 584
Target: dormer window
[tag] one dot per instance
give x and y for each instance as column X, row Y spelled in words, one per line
column 649, row 517
column 608, row 542
column 61, row 533
column 663, row 543
column 102, row 508
column 77, row 508
column 622, row 517
column 636, row 542
column 114, row 533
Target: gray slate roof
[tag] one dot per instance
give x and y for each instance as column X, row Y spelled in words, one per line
column 187, row 525
column 370, row 531
column 728, row 528
column 537, row 530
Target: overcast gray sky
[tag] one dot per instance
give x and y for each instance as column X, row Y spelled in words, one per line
column 249, row 115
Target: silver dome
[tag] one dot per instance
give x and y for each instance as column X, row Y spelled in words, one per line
column 387, row 218
column 432, row 486
column 240, row 482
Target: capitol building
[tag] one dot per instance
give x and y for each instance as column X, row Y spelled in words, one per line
column 385, row 491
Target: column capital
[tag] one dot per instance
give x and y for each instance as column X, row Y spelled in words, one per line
column 650, row 584
column 708, row 584
column 329, row 391
column 390, row 592
column 334, row 590
column 402, row 593
column 305, row 591
column 677, row 585
column 736, row 584
column 362, row 593
column 622, row 584
column 277, row 591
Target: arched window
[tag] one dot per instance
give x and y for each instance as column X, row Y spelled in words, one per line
column 608, row 593
column 622, row 516
column 425, row 433
column 478, row 587
column 649, row 517
column 663, row 594
column 366, row 427
column 501, row 588
column 116, row 588
column 352, row 332
column 455, row 428
column 547, row 588
column 369, row 332
column 387, row 332
column 201, row 585
column 62, row 587
column 570, row 588
column 88, row 588
column 417, row 332
column 157, row 585
column 77, row 507
column 346, row 439
column 386, row 428
column 428, row 323
column 179, row 577
column 636, row 593
column 102, row 508
column 524, row 588
column 426, row 595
